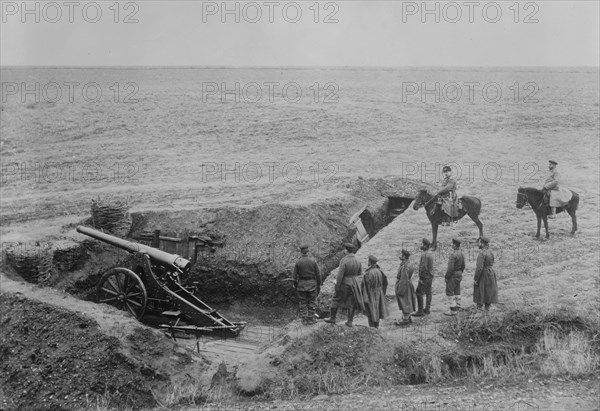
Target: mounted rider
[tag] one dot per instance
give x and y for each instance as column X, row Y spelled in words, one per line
column 446, row 196
column 554, row 194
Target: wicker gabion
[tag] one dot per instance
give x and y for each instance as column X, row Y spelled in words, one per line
column 33, row 262
column 111, row 216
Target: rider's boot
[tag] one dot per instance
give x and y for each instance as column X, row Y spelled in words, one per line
column 552, row 212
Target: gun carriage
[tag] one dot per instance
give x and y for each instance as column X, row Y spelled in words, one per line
column 153, row 283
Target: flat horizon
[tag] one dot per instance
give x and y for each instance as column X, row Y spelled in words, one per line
column 294, row 67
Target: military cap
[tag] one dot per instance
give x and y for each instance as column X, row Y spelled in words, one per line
column 349, row 246
column 304, row 247
column 426, row 242
column 456, row 241
column 372, row 259
column 553, row 162
column 484, row 240
column 405, row 253
column 446, row 168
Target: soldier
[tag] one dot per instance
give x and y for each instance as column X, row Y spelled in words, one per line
column 405, row 290
column 426, row 274
column 375, row 285
column 446, row 196
column 556, row 195
column 485, row 291
column 344, row 296
column 307, row 282
column 454, row 272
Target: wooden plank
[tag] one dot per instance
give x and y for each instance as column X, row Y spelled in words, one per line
column 361, row 232
column 168, row 246
column 156, row 239
column 171, row 239
column 150, row 237
column 356, row 215
column 185, row 245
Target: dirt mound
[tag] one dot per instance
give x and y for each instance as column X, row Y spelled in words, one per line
column 55, row 359
column 261, row 247
column 332, row 359
column 258, row 246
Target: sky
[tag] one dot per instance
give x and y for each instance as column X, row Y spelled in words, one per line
column 300, row 33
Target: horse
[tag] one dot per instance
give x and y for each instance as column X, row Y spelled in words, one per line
column 471, row 207
column 535, row 198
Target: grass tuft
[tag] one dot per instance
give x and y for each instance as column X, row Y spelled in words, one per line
column 571, row 355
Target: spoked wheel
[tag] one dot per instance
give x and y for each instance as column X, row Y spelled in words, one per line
column 122, row 288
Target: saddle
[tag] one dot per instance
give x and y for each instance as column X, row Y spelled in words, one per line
column 450, row 207
column 564, row 202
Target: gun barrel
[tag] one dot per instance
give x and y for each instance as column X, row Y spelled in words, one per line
column 159, row 256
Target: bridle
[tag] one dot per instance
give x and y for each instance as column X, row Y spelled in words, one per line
column 524, row 194
column 430, row 200
column 425, row 204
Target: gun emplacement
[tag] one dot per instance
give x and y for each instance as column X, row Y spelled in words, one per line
column 153, row 282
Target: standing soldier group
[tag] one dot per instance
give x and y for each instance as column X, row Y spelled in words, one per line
column 353, row 290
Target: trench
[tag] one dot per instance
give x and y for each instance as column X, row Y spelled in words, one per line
column 243, row 258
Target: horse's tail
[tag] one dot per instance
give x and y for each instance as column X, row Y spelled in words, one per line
column 472, row 205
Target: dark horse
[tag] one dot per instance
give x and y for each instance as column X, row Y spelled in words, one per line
column 470, row 205
column 535, row 198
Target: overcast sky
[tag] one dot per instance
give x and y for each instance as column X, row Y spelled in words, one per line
column 301, row 33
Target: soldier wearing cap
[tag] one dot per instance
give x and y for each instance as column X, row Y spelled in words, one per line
column 454, row 272
column 555, row 195
column 307, row 282
column 344, row 296
column 405, row 290
column 374, row 286
column 426, row 274
column 485, row 291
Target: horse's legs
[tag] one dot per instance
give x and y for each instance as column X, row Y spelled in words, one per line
column 478, row 223
column 539, row 225
column 434, row 230
column 573, row 220
column 545, row 218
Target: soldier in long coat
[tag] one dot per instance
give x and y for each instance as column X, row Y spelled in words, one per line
column 485, row 287
column 346, row 285
column 307, row 282
column 374, row 287
column 405, row 290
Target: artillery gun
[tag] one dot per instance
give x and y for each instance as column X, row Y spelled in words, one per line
column 152, row 283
